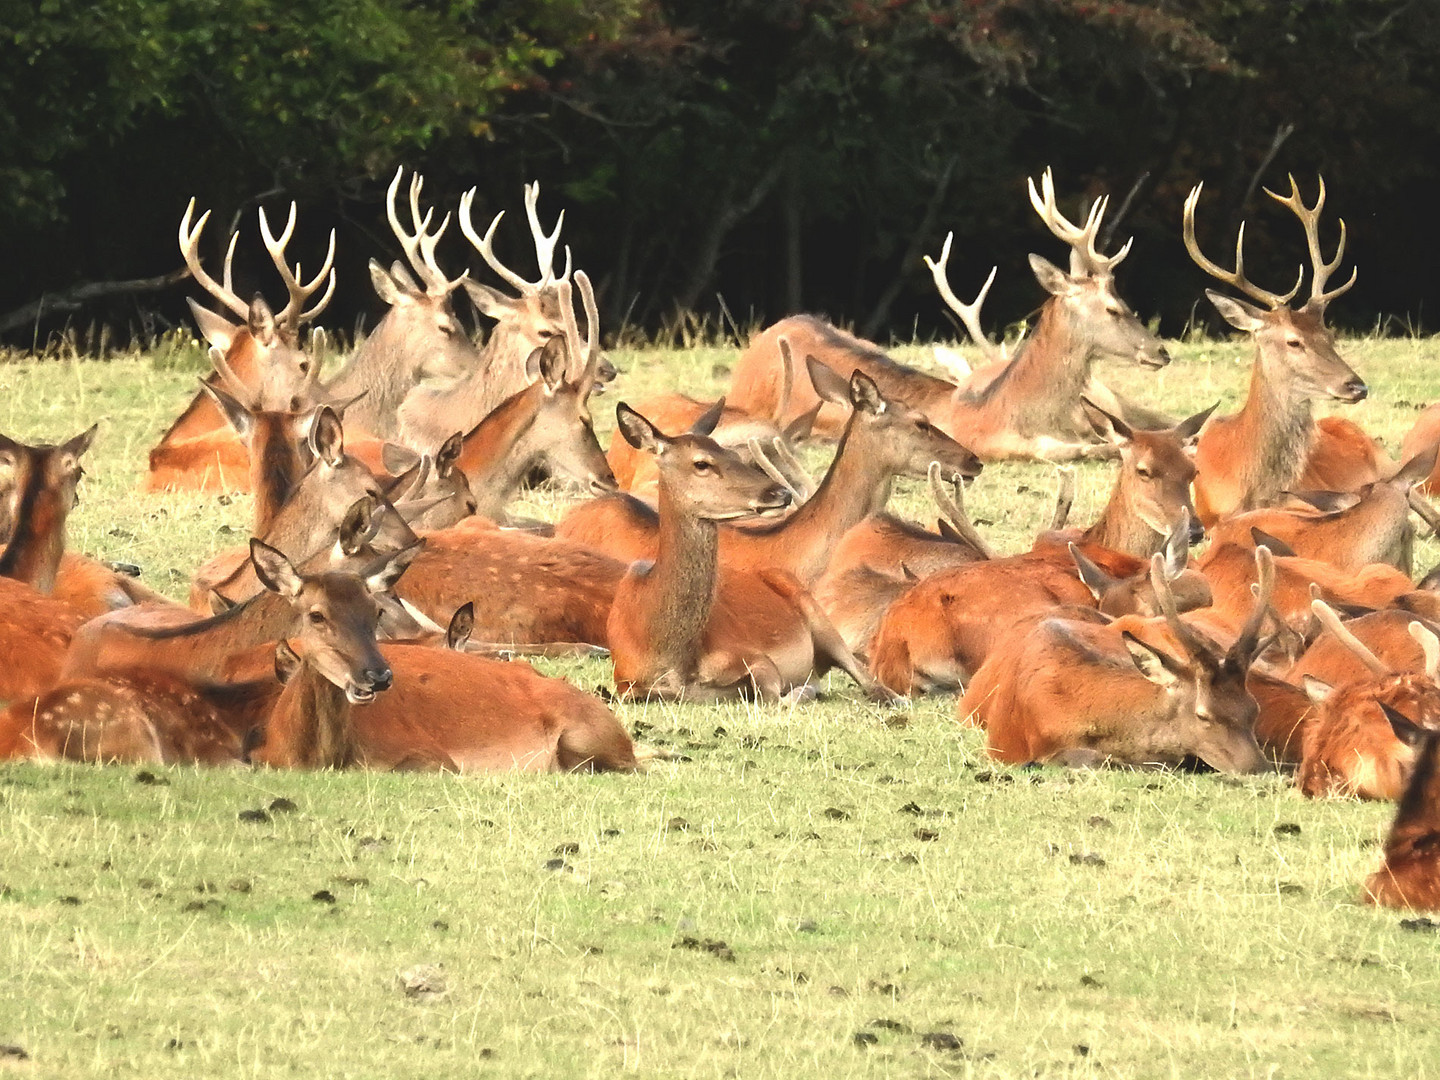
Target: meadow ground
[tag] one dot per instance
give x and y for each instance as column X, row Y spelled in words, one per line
column 821, row 890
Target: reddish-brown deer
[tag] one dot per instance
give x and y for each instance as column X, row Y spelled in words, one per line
column 1246, row 460
column 264, row 354
column 686, row 627
column 1032, row 409
column 1082, row 693
column 1410, row 876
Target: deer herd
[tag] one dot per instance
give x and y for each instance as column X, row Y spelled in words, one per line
column 374, row 616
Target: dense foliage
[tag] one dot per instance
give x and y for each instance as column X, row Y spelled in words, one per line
column 786, row 154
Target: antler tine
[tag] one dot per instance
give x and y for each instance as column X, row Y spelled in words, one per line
column 544, row 244
column 485, row 246
column 227, row 277
column 1331, row 621
column 232, row 382
column 800, row 478
column 1236, row 277
column 772, row 470
column 190, row 249
column 1084, row 255
column 419, row 247
column 567, row 318
column 592, row 311
column 1245, row 644
column 969, row 314
column 294, row 315
column 1430, row 646
column 952, row 506
column 1310, row 218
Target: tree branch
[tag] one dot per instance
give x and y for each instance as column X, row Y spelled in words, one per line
column 77, row 296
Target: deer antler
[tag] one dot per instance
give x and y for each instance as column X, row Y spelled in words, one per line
column 1247, row 644
column 419, row 246
column 588, row 354
column 190, row 249
column 1236, row 277
column 1430, row 646
column 544, row 244
column 1320, row 270
column 1084, row 257
column 952, row 506
column 969, row 314
column 1331, row 621
column 1064, row 496
column 771, row 469
column 294, row 315
column 233, row 383
column 1190, row 640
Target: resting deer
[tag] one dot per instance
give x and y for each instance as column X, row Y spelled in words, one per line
column 1246, row 460
column 1384, row 634
column 939, row 632
column 146, row 714
column 1081, row 693
column 1347, row 530
column 1029, row 411
column 1410, row 875
column 263, row 352
column 882, row 439
column 1352, row 747
column 686, row 627
column 523, row 324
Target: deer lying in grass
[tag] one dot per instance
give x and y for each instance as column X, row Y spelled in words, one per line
column 1081, row 693
column 1346, row 530
column 1031, row 410
column 684, row 626
column 939, row 632
column 1410, row 875
column 1384, row 634
column 146, row 714
column 1352, row 747
column 882, row 439
column 1246, row 460
column 263, row 352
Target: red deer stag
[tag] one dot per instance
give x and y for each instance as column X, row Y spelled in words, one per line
column 1082, row 693
column 264, row 354
column 1273, row 444
column 686, row 627
column 1032, row 410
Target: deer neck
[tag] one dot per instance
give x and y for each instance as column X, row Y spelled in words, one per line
column 1120, row 527
column 275, row 471
column 37, row 537
column 310, row 725
column 202, row 647
column 1050, row 371
column 683, row 580
column 856, row 485
column 494, row 454
column 1276, row 426
column 378, row 369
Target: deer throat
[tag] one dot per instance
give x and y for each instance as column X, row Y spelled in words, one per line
column 310, row 724
column 1279, row 426
column 684, row 580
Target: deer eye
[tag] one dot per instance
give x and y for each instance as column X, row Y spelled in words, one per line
column 316, row 618
column 1295, row 343
column 1143, row 472
column 704, row 467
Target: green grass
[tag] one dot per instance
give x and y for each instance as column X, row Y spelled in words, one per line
column 859, row 865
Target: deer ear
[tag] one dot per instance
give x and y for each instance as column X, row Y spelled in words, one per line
column 215, row 329
column 274, row 570
column 864, row 395
column 381, row 575
column 236, row 414
column 709, row 420
column 1188, row 430
column 1153, row 664
column 1317, row 690
column 827, row 382
column 1276, row 546
column 80, row 443
column 490, row 302
column 287, row 661
column 1106, row 425
column 550, row 361
column 637, row 431
column 1418, row 467
column 799, row 429
column 218, row 602
column 327, row 437
column 358, row 526
column 448, row 455
column 387, row 288
column 1239, row 314
column 262, row 321
column 1052, row 279
column 462, row 624
column 1094, row 579
column 1405, row 729
column 398, row 459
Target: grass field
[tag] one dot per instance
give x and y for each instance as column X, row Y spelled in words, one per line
column 821, row 890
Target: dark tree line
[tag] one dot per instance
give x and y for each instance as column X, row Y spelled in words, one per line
column 781, row 154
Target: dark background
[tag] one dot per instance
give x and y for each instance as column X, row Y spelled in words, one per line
column 784, row 154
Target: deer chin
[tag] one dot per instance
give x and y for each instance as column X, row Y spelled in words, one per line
column 357, row 695
column 1153, row 360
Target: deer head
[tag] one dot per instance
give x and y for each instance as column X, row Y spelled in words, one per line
column 1296, row 349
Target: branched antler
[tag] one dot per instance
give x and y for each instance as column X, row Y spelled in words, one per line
column 1084, row 255
column 1320, row 269
column 969, row 314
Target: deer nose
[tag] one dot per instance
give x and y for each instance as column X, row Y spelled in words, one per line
column 1354, row 390
column 1197, row 531
column 775, row 497
column 379, row 678
column 1162, row 356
